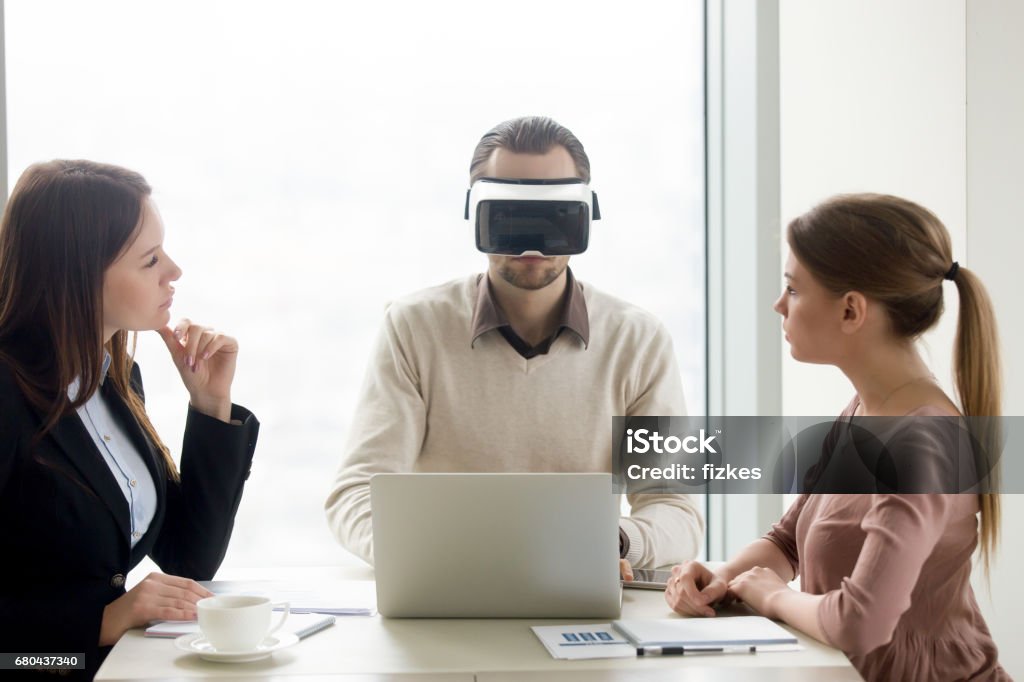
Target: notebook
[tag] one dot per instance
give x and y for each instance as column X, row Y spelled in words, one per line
column 302, row 624
column 695, row 632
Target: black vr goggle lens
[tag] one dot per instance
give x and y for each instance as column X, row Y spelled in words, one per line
column 532, row 217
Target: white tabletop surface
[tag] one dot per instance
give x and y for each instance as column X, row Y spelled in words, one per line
column 376, row 649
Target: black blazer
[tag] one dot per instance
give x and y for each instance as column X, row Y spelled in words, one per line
column 64, row 523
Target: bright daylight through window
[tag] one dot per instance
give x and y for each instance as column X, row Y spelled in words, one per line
column 310, row 161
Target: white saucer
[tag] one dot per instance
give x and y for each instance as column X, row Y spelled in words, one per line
column 196, row 643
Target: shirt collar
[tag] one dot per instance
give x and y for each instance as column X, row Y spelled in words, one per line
column 488, row 315
column 73, row 388
column 106, row 366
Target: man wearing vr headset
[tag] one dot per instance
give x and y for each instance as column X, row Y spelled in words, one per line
column 523, row 367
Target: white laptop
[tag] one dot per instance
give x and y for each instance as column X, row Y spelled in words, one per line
column 496, row 545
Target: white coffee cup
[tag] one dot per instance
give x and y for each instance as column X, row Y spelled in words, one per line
column 235, row 622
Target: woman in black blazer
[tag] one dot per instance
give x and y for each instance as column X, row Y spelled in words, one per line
column 87, row 488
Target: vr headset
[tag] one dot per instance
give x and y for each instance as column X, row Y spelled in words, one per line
column 532, row 217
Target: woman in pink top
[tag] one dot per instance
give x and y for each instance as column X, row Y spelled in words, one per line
column 884, row 578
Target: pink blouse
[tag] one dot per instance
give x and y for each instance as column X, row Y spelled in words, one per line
column 895, row 571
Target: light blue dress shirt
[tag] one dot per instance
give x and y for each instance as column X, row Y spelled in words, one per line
column 125, row 462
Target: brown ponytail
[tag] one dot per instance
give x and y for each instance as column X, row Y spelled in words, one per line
column 976, row 366
column 899, row 253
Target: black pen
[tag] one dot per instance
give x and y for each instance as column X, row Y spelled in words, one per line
column 683, row 650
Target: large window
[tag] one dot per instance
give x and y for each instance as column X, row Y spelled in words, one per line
column 310, row 161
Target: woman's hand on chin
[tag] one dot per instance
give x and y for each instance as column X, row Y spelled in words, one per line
column 205, row 359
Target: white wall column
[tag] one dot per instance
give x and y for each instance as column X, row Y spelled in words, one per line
column 995, row 244
column 743, row 240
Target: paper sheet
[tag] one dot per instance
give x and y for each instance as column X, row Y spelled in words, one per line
column 576, row 642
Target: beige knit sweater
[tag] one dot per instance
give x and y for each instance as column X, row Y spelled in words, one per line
column 432, row 402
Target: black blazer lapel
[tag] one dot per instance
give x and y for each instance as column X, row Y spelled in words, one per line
column 153, row 459
column 145, row 448
column 79, row 449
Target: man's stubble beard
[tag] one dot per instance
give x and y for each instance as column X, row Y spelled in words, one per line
column 531, row 281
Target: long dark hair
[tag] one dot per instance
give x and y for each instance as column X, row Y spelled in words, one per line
column 898, row 253
column 65, row 223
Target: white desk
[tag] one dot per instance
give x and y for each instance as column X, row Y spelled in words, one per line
column 376, row 649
